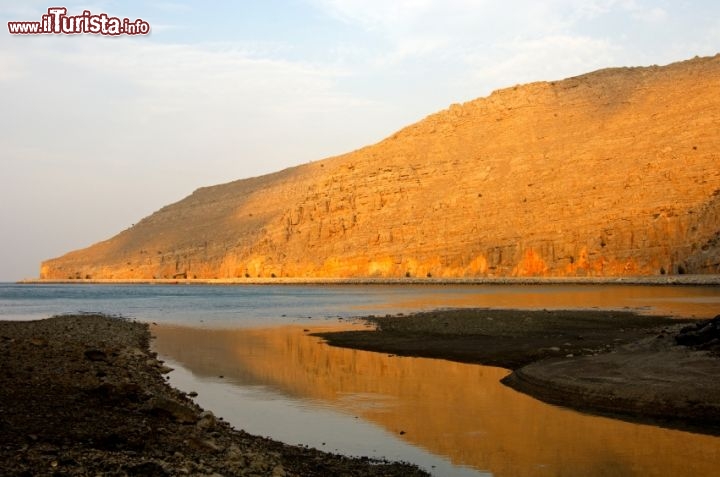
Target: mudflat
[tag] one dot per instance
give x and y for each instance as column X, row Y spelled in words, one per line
column 658, row 370
column 83, row 395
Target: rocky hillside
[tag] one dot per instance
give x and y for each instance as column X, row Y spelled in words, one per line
column 615, row 172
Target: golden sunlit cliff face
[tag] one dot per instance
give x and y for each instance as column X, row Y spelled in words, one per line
column 612, row 173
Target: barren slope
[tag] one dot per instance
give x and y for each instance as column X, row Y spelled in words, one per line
column 616, row 172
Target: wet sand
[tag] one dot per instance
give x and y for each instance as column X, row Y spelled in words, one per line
column 611, row 363
column 83, row 395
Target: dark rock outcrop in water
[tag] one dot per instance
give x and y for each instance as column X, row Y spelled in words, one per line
column 611, row 173
column 703, row 336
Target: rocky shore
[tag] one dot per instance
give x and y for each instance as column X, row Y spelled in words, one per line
column 657, row 370
column 83, row 395
column 660, row 280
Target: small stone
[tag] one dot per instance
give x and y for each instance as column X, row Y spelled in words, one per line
column 95, row 355
column 179, row 412
column 207, row 421
column 211, row 445
column 235, row 454
column 279, row 471
column 134, row 352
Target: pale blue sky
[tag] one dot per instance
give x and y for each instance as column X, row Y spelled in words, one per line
column 97, row 132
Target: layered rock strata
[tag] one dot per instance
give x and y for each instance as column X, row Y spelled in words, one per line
column 611, row 173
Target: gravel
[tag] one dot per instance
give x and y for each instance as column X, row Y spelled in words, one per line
column 83, row 395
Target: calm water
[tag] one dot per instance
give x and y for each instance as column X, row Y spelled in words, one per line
column 457, row 419
column 241, row 306
column 452, row 419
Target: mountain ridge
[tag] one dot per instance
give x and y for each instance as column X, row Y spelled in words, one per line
column 610, row 173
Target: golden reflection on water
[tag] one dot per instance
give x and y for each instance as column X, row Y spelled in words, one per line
column 696, row 301
column 451, row 409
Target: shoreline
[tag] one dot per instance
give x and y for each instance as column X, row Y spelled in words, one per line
column 660, row 280
column 84, row 395
column 610, row 363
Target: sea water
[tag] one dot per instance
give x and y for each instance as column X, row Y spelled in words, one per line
column 248, row 352
column 262, row 305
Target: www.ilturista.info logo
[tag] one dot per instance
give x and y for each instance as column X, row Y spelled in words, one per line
column 58, row 22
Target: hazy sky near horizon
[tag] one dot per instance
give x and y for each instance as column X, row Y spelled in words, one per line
column 98, row 132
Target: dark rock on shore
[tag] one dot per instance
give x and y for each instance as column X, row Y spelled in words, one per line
column 83, row 395
column 506, row 338
column 702, row 335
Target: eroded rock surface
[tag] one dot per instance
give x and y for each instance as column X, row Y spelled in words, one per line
column 611, row 173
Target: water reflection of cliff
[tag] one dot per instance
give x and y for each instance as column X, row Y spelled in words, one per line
column 452, row 409
column 701, row 302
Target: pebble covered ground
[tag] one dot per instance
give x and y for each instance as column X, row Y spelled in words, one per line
column 82, row 395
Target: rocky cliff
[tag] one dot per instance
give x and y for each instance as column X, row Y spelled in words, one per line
column 616, row 172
